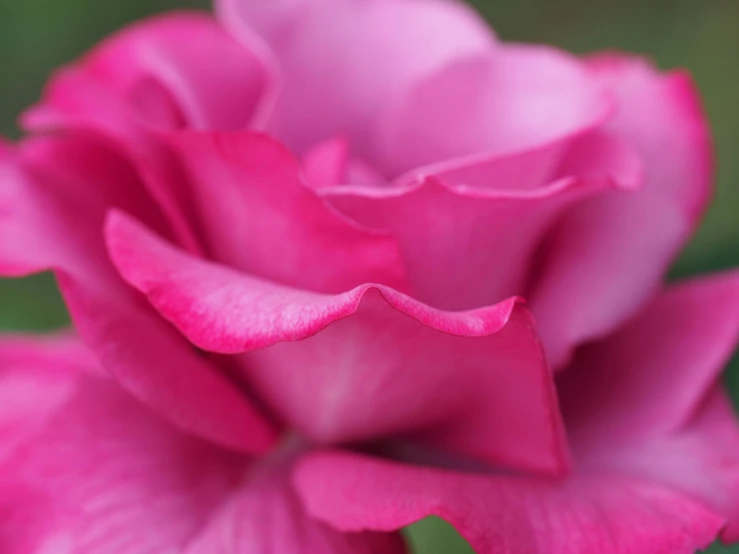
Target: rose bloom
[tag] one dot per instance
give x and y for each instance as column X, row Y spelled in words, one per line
column 295, row 240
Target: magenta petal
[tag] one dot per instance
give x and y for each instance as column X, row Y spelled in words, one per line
column 258, row 215
column 608, row 514
column 611, row 252
column 101, row 473
column 171, row 71
column 264, row 515
column 651, row 376
column 646, row 400
column 182, row 64
column 55, row 194
column 510, row 100
column 376, row 362
column 34, row 382
column 341, row 62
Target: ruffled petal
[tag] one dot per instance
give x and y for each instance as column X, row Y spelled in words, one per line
column 611, row 252
column 514, row 99
column 376, row 362
column 342, row 61
column 466, row 245
column 608, row 514
column 257, row 215
column 55, row 192
column 656, row 447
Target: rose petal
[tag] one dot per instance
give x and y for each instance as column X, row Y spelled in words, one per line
column 648, row 397
column 611, row 252
column 55, row 194
column 380, row 363
column 34, row 382
column 205, row 78
column 608, row 514
column 258, row 216
column 342, row 61
column 105, row 475
column 271, row 20
column 165, row 72
column 510, row 100
column 651, row 376
column 325, row 164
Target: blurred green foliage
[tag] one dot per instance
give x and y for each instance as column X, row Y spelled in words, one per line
column 38, row 35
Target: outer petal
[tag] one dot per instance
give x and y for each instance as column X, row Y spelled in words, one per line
column 257, row 215
column 612, row 252
column 651, row 376
column 103, row 475
column 380, row 363
column 608, row 514
column 55, row 193
column 343, row 60
column 466, row 245
column 511, row 100
column 265, row 515
column 167, row 72
column 174, row 70
column 98, row 473
column 647, row 400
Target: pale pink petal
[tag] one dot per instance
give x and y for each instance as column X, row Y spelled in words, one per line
column 583, row 514
column 265, row 516
column 104, row 475
column 342, row 61
column 467, row 245
column 272, row 20
column 54, row 195
column 510, row 100
column 380, row 363
column 612, row 251
column 257, row 215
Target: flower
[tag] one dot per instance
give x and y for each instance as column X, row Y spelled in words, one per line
column 319, row 218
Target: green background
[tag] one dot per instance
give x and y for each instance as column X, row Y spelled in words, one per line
column 701, row 35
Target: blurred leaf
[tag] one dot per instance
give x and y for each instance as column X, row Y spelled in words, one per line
column 435, row 536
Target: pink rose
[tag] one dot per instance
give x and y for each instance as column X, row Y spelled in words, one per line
column 317, row 219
